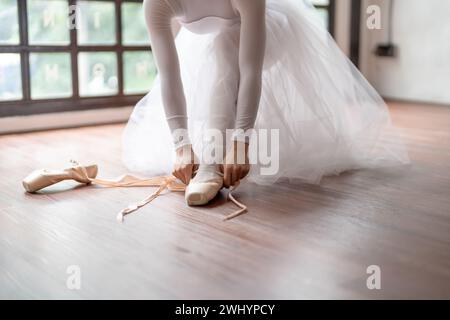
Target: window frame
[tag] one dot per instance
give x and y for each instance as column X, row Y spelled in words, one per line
column 27, row 106
column 355, row 32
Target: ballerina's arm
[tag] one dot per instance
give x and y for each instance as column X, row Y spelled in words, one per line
column 160, row 23
column 251, row 58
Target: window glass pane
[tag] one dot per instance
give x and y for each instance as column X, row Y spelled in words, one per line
column 48, row 22
column 97, row 72
column 9, row 30
column 139, row 71
column 10, row 77
column 51, row 75
column 96, row 23
column 134, row 31
column 323, row 13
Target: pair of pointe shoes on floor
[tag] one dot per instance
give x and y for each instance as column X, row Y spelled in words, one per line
column 200, row 191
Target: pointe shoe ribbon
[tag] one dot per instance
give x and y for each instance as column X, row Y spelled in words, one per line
column 243, row 208
column 88, row 175
column 163, row 183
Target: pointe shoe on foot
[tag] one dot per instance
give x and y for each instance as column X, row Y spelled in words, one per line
column 41, row 179
column 204, row 186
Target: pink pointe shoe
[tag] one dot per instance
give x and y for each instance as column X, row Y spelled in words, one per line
column 43, row 178
column 204, row 186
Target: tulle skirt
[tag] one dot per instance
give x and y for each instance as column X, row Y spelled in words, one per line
column 328, row 117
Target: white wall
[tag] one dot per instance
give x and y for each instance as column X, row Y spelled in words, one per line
column 421, row 71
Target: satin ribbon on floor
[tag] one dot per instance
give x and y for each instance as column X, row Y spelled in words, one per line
column 162, row 183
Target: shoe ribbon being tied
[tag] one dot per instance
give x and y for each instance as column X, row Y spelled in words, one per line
column 163, row 183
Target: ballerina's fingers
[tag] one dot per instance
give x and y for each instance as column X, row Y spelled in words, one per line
column 188, row 174
column 226, row 176
column 232, row 174
column 235, row 175
column 245, row 169
column 184, row 172
column 192, row 173
column 179, row 174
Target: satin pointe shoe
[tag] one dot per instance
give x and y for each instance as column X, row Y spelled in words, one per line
column 43, row 178
column 204, row 186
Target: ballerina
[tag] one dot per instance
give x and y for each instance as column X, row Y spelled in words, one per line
column 244, row 66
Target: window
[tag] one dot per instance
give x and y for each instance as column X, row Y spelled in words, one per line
column 326, row 10
column 61, row 55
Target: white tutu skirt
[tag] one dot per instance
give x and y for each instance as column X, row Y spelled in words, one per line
column 330, row 119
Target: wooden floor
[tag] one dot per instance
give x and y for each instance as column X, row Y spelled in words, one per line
column 296, row 242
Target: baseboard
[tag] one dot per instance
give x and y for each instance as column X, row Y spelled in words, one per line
column 415, row 102
column 62, row 120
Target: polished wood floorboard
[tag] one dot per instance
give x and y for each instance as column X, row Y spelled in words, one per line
column 296, row 242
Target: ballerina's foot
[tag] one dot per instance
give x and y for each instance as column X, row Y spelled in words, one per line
column 204, row 186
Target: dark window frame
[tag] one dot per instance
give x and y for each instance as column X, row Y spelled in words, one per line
column 28, row 106
column 355, row 31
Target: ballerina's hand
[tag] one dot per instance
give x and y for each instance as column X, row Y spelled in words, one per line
column 185, row 164
column 237, row 165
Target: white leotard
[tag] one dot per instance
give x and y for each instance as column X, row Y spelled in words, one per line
column 207, row 16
